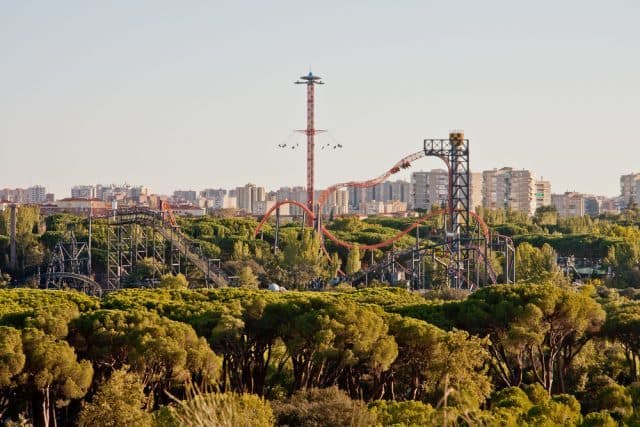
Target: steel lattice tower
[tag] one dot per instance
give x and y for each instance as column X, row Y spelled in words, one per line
column 310, row 80
column 455, row 153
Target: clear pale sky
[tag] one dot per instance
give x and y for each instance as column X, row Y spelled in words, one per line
column 195, row 94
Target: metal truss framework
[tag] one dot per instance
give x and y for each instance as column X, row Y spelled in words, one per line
column 135, row 234
column 469, row 248
column 474, row 267
column 69, row 267
column 127, row 245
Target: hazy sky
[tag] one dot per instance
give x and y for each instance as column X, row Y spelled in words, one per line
column 188, row 95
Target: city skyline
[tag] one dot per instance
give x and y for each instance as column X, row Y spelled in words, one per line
column 506, row 188
column 188, row 97
column 406, row 177
column 402, row 175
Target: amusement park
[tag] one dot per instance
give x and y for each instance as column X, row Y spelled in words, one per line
column 450, row 241
column 416, row 235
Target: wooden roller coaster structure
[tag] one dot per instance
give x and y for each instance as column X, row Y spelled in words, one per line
column 133, row 235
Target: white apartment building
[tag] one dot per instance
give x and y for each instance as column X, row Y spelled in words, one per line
column 248, row 195
column 297, row 194
column 430, row 188
column 543, row 193
column 475, row 190
column 337, row 202
column 36, row 194
column 83, row 192
column 31, row 195
column 569, row 204
column 629, row 189
column 507, row 188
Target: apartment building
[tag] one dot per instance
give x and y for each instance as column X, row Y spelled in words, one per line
column 569, row 204
column 248, row 195
column 399, row 190
column 83, row 192
column 629, row 189
column 297, row 194
column 36, row 194
column 430, row 188
column 30, row 195
column 508, row 188
column 337, row 202
column 475, row 190
column 218, row 198
column 185, row 196
column 543, row 193
column 593, row 205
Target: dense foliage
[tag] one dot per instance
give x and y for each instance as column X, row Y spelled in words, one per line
column 545, row 351
column 608, row 243
column 526, row 354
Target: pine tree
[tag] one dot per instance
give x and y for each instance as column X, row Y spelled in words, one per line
column 353, row 261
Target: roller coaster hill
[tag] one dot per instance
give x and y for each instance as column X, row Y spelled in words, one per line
column 464, row 249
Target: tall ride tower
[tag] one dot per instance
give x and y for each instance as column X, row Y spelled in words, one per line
column 310, row 80
column 458, row 233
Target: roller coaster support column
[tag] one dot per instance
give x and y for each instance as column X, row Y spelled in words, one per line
column 416, row 270
column 506, row 266
column 487, row 256
column 459, row 164
column 416, row 261
column 89, row 241
column 13, row 260
column 186, row 262
column 318, row 221
column 455, row 153
column 174, row 251
column 277, row 233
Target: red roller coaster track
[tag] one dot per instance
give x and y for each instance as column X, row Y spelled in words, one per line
column 165, row 208
column 454, row 153
column 404, row 163
column 384, row 243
